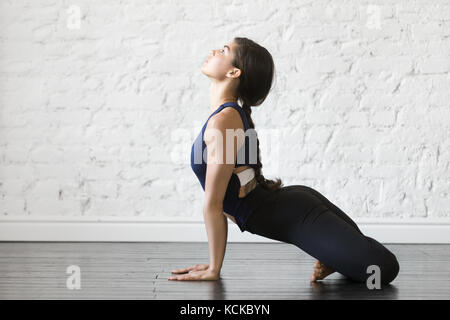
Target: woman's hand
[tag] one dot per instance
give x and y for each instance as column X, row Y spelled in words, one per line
column 197, row 267
column 197, row 272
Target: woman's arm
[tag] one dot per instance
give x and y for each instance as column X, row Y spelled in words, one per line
column 217, row 231
column 218, row 174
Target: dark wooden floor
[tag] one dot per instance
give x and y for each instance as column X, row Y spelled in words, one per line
column 37, row 270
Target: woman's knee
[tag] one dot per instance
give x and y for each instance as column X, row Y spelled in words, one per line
column 385, row 260
column 390, row 270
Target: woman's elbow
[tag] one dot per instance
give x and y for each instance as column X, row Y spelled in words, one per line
column 213, row 208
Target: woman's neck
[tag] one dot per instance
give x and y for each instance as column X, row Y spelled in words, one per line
column 219, row 94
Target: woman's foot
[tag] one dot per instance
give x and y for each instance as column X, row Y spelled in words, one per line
column 320, row 271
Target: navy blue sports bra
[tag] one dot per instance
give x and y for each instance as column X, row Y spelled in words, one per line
column 232, row 204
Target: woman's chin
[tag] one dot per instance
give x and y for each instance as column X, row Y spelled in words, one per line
column 204, row 71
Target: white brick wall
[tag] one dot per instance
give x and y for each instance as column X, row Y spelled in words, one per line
column 101, row 101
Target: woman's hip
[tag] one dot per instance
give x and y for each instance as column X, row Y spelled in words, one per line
column 277, row 213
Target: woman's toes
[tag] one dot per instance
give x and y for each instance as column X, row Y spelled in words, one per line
column 315, row 275
column 320, row 271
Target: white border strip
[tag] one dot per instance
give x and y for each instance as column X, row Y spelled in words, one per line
column 198, row 219
column 168, row 229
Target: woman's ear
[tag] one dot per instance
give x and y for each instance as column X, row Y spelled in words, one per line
column 236, row 73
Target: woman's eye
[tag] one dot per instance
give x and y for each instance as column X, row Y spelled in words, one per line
column 222, row 50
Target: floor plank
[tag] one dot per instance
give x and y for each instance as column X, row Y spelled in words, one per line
column 110, row 270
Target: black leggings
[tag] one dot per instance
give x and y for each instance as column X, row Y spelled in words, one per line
column 302, row 216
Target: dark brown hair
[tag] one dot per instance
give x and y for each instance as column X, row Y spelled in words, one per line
column 257, row 74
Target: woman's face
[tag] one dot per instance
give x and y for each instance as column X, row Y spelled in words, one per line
column 218, row 64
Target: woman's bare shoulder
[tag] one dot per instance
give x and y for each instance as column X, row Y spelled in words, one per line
column 229, row 117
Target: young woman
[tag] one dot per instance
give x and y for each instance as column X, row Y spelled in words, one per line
column 243, row 71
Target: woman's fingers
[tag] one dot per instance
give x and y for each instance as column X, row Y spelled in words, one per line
column 193, row 268
column 184, row 277
column 192, row 275
column 182, row 270
column 197, row 275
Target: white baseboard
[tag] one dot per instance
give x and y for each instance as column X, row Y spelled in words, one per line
column 168, row 229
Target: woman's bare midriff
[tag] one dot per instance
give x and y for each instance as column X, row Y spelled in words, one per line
column 236, row 170
column 230, row 217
